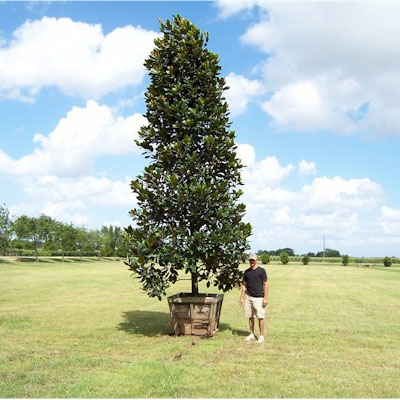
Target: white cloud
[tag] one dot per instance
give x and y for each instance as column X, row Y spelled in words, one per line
column 296, row 106
column 72, row 199
column 76, row 57
column 332, row 207
column 326, row 195
column 94, row 191
column 282, row 215
column 391, row 213
column 241, row 92
column 267, row 172
column 246, row 154
column 390, row 222
column 261, row 184
column 231, row 7
column 330, row 67
column 306, row 168
column 84, row 134
column 275, row 197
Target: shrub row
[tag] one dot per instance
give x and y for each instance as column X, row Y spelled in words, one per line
column 345, row 260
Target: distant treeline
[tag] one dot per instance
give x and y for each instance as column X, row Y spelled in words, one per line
column 290, row 252
column 45, row 236
column 286, row 255
column 335, row 260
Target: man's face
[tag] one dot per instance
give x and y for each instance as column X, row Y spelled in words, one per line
column 252, row 262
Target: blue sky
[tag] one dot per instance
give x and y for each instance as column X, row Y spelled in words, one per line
column 313, row 99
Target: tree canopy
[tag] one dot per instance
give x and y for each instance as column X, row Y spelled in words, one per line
column 188, row 216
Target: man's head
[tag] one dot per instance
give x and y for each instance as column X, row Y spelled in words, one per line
column 253, row 259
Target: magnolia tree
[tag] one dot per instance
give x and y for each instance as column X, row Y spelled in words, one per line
column 188, row 215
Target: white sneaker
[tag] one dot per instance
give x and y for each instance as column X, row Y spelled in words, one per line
column 250, row 337
column 260, row 339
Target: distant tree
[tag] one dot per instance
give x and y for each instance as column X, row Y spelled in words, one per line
column 265, row 258
column 188, row 216
column 329, row 253
column 305, row 259
column 5, row 229
column 310, row 254
column 289, row 251
column 50, row 240
column 345, row 260
column 112, row 240
column 259, row 252
column 81, row 240
column 98, row 240
column 66, row 237
column 277, row 252
column 387, row 261
column 34, row 230
column 284, row 257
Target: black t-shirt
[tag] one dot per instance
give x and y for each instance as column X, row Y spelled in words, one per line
column 254, row 280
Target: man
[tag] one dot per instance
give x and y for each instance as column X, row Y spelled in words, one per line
column 255, row 295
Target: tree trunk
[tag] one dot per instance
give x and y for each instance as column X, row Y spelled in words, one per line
column 195, row 284
column 36, row 252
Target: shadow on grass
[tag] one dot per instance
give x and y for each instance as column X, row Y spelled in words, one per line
column 60, row 260
column 236, row 332
column 67, row 259
column 28, row 259
column 147, row 323
column 154, row 323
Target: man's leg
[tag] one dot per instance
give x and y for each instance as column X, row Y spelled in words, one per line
column 248, row 312
column 251, row 327
column 261, row 325
column 261, row 321
column 251, row 324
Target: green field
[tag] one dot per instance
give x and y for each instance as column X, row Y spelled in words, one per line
column 84, row 329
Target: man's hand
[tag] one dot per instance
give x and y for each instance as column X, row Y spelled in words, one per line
column 265, row 302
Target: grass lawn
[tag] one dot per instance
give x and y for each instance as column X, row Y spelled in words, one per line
column 84, row 329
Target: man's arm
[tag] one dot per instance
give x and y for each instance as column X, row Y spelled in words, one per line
column 265, row 293
column 242, row 293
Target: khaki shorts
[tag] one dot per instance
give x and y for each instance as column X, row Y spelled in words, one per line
column 253, row 307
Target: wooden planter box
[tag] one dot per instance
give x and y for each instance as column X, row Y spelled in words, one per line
column 195, row 314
